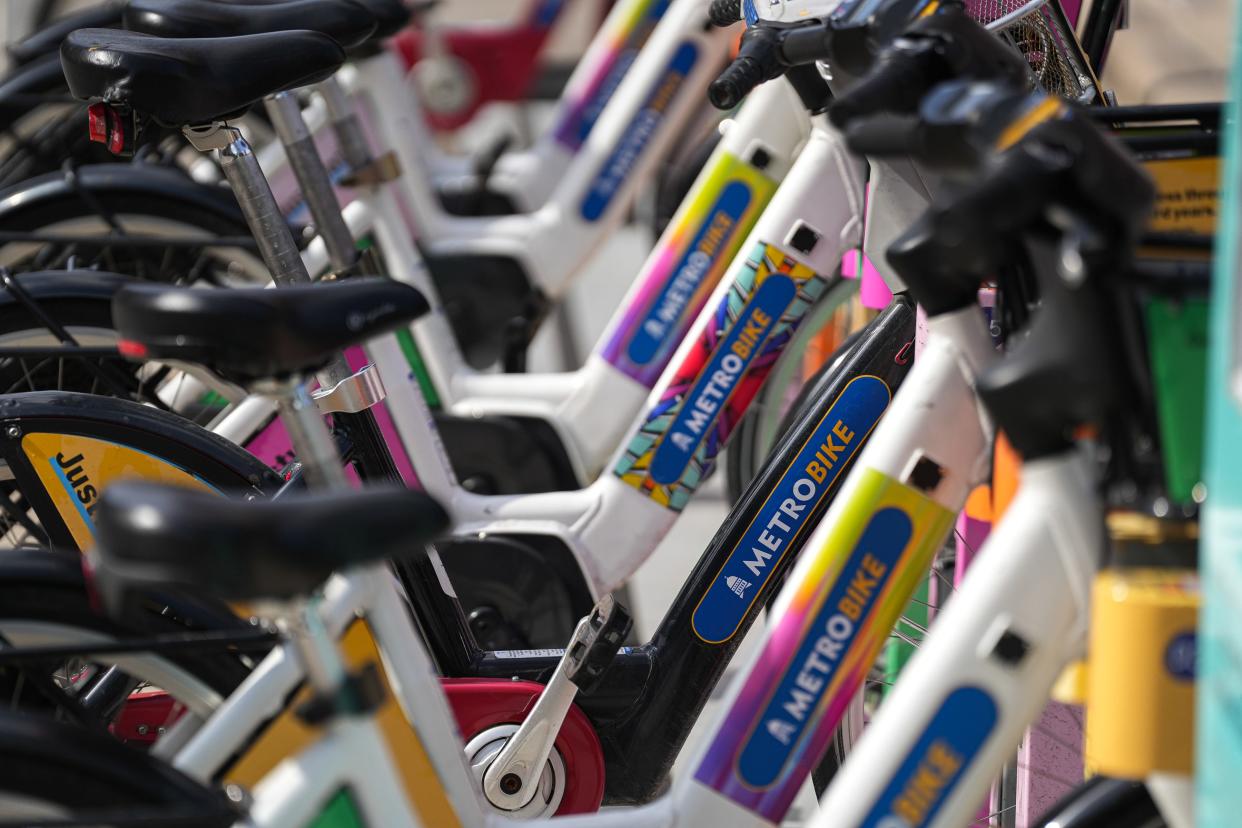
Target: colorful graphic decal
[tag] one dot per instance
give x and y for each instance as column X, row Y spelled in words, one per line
column 625, row 155
column 846, row 598
column 781, row 519
column 624, row 43
column 75, row 470
column 677, row 443
column 927, row 775
column 702, row 240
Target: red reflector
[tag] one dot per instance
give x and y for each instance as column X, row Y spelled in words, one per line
column 116, row 129
column 97, row 120
column 132, row 349
column 88, row 578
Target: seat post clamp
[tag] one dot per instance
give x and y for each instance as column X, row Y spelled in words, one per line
column 357, row 392
column 217, row 135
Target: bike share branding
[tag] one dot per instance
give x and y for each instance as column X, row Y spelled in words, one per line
column 847, row 595
column 676, row 446
column 624, row 43
column 705, row 237
column 75, row 470
column 926, row 777
column 779, row 521
column 621, row 161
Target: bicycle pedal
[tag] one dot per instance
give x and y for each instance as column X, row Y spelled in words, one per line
column 596, row 643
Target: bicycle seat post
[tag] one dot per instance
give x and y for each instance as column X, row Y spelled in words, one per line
column 254, row 195
column 308, row 433
column 349, row 135
column 313, row 178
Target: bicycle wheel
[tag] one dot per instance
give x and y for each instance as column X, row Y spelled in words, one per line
column 764, row 422
column 163, row 228
column 86, row 316
column 59, row 451
column 54, row 771
column 44, row 603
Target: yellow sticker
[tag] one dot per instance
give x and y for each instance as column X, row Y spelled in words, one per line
column 75, row 470
column 1187, row 191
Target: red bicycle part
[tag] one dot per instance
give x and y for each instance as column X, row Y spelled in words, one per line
column 502, row 63
column 482, row 703
column 145, row 716
column 478, row 704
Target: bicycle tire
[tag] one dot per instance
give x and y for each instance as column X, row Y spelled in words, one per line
column 44, row 601
column 146, row 202
column 74, row 773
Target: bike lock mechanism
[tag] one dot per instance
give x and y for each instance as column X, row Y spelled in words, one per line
column 511, row 779
column 945, row 45
column 1080, row 203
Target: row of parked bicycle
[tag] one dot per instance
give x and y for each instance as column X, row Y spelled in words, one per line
column 292, row 538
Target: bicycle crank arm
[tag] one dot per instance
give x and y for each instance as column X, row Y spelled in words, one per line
column 511, row 779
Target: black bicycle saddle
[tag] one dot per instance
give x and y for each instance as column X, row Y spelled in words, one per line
column 347, row 22
column 152, row 535
column 253, row 333
column 180, row 82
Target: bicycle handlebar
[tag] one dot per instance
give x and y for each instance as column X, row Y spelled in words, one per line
column 945, row 44
column 724, row 13
column 767, row 52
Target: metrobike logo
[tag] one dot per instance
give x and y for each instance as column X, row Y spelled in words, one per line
column 625, row 156
column 627, row 40
column 704, row 397
column 703, row 239
column 780, row 520
column 842, row 600
column 652, row 337
column 936, row 762
column 720, row 378
column 784, row 719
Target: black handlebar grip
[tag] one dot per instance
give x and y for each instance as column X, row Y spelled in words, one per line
column 807, row 44
column 735, row 83
column 884, row 135
column 724, row 13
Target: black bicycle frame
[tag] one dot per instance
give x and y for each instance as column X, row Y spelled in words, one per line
column 651, row 696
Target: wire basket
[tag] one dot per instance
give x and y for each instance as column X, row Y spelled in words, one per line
column 1039, row 30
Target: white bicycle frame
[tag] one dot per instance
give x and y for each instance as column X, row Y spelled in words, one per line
column 591, row 189
column 592, row 407
column 528, row 177
column 934, row 405
column 959, row 707
column 611, row 527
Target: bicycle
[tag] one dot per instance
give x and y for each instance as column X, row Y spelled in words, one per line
column 951, row 328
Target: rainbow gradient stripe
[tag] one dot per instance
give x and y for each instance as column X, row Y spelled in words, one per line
column 676, row 445
column 800, row 687
column 624, row 41
column 692, row 256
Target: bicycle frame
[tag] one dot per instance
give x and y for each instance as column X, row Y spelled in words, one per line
column 817, row 208
column 591, row 408
column 984, row 672
column 642, row 726
column 937, row 396
column 591, row 180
